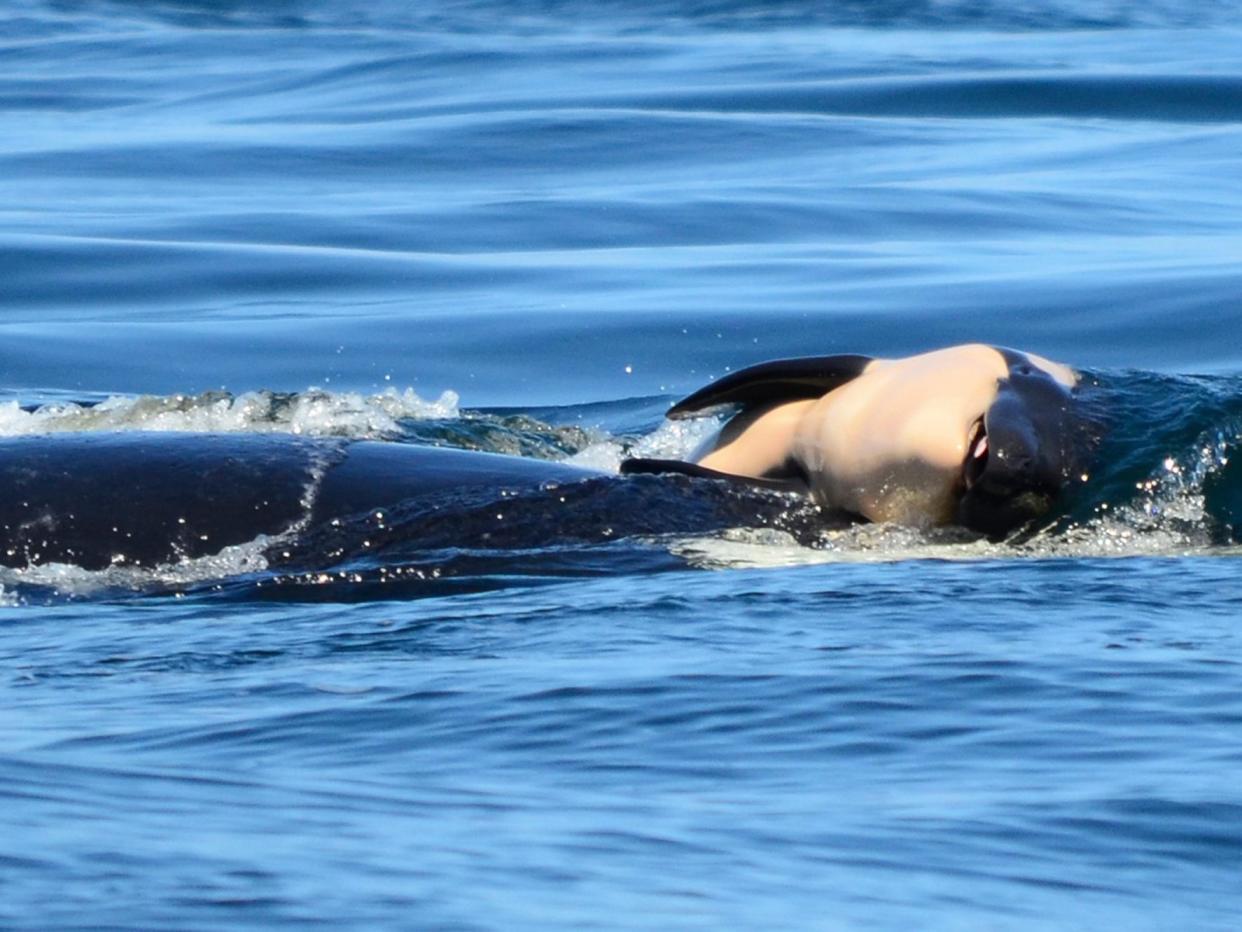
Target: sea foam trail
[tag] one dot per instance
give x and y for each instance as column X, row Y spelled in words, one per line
column 675, row 440
column 34, row 584
column 314, row 412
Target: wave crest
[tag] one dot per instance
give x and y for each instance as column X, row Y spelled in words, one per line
column 312, row 413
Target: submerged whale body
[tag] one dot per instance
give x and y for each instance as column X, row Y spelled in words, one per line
column 974, row 435
column 142, row 499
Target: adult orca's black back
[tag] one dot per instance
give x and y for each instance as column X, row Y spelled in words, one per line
column 145, row 498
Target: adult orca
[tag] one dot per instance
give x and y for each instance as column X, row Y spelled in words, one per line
column 133, row 498
column 975, row 435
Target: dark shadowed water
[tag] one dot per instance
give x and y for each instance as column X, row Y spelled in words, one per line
column 528, row 228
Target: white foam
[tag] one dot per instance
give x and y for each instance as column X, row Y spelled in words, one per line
column 73, row 581
column 750, row 548
column 311, row 413
column 671, row 440
column 754, row 548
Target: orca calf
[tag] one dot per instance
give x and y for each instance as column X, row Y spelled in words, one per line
column 97, row 499
column 974, row 435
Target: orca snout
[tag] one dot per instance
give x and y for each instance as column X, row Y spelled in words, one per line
column 1023, row 463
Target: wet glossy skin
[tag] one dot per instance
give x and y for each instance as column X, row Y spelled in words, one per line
column 892, row 444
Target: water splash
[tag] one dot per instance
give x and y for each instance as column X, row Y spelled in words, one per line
column 313, row 413
column 66, row 581
column 671, row 440
column 1169, row 513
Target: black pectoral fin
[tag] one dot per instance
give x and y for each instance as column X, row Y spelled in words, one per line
column 773, row 382
column 664, row 467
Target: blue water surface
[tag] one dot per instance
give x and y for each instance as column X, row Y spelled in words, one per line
column 528, row 228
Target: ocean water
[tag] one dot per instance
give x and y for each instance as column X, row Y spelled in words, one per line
column 635, row 703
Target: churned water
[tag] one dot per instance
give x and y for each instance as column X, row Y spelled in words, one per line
column 528, row 228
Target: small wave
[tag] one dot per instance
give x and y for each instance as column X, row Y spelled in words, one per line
column 1172, row 98
column 762, row 548
column 66, row 581
column 313, row 413
column 671, row 440
column 474, row 16
column 1168, row 513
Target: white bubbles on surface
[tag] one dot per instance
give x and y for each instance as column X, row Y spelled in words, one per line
column 314, row 413
column 758, row 548
column 70, row 581
column 676, row 440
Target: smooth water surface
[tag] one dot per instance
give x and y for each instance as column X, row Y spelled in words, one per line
column 527, row 229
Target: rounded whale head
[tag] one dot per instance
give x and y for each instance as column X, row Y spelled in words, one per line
column 1024, row 450
column 971, row 435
